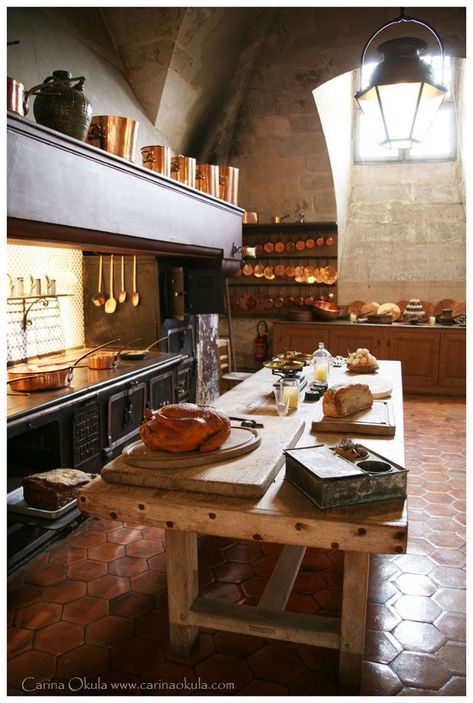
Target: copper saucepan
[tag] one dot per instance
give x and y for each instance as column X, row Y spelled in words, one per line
column 279, row 247
column 107, row 359
column 269, row 273
column 268, row 247
column 32, row 378
column 259, row 270
column 247, row 269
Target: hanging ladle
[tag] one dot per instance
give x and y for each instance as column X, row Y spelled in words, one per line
column 135, row 296
column 111, row 303
column 99, row 298
column 122, row 293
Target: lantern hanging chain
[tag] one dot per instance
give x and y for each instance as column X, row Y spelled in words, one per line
column 397, row 20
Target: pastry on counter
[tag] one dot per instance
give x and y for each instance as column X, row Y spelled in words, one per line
column 362, row 361
column 346, row 399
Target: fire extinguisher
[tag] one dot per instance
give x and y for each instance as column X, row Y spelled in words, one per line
column 261, row 342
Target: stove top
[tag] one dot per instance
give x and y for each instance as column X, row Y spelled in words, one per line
column 84, row 380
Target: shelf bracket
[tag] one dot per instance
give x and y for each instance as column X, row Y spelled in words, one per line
column 26, row 322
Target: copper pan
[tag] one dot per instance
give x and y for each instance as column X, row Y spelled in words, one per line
column 157, row 158
column 259, row 249
column 206, row 179
column 279, row 247
column 319, row 241
column 289, row 301
column 268, row 303
column 29, row 379
column 15, row 96
column 228, row 184
column 107, row 359
column 114, row 134
column 300, row 245
column 290, row 246
column 183, row 169
column 280, row 270
column 247, row 269
column 269, row 273
column 279, row 302
column 268, row 247
column 309, row 243
column 258, row 271
column 290, row 271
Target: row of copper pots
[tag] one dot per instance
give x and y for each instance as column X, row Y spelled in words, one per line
column 219, row 181
column 300, row 274
column 280, row 247
column 251, row 302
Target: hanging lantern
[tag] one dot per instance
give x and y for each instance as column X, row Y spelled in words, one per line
column 402, row 97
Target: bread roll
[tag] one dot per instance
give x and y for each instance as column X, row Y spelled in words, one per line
column 346, row 399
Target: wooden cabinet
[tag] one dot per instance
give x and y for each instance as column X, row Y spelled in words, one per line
column 433, row 359
column 295, row 264
column 452, row 361
column 418, row 352
column 299, row 337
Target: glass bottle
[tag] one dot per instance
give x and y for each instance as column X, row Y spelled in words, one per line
column 322, row 363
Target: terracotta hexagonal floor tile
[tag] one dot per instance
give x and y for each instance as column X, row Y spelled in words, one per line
column 381, row 617
column 312, row 683
column 420, row 670
column 380, row 592
column 413, row 564
column 439, row 510
column 87, row 539
column 455, row 687
column 64, row 592
column 415, row 585
column 233, row 572
column 153, row 626
column 452, row 599
column 383, row 568
column 136, row 656
column 449, row 576
column 86, row 570
column 381, row 647
column 309, row 582
column 319, row 658
column 23, row 596
column 64, row 555
column 447, row 540
column 127, row 566
column 222, row 591
column 224, row 669
column 379, row 680
column 244, row 552
column 203, row 649
column 453, row 654
column 18, row 640
column 418, row 608
column 144, row 548
column 173, row 680
column 302, row 603
column 132, row 605
column 211, row 557
column 85, row 610
column 21, row 668
column 38, row 615
column 265, row 566
column 329, row 598
column 452, row 625
column 448, row 557
column 236, row 644
column 124, row 535
column 45, row 575
column 254, row 587
column 418, row 636
column 315, row 560
column 86, row 661
column 108, row 586
column 106, row 552
column 59, row 638
column 149, row 582
column 109, row 631
column 159, row 562
column 277, row 663
column 103, row 525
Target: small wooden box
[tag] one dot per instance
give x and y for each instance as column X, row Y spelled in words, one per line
column 329, row 480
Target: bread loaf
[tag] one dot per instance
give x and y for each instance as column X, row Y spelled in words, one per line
column 346, row 399
column 53, row 489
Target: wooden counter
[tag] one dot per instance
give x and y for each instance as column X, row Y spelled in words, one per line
column 282, row 515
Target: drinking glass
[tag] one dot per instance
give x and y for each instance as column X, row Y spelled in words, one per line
column 282, row 400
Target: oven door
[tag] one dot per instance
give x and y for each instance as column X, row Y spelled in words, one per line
column 125, row 411
column 162, row 390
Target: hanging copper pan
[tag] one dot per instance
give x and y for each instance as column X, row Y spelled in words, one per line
column 247, row 269
column 290, row 246
column 289, row 301
column 309, row 243
column 268, row 303
column 258, row 271
column 280, row 270
column 290, row 271
column 279, row 301
column 268, row 247
column 269, row 273
column 309, row 301
column 279, row 247
column 319, row 241
column 329, row 242
column 300, row 245
column 32, row 378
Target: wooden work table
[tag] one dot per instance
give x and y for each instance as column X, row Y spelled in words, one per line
column 282, row 515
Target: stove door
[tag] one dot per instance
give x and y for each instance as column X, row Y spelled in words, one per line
column 125, row 413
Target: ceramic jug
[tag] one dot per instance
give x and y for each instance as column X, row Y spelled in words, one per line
column 61, row 105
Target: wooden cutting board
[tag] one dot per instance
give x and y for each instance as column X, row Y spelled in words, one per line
column 380, row 386
column 247, row 476
column 377, row 420
column 242, row 440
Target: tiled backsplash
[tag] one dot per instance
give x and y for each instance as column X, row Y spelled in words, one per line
column 60, row 324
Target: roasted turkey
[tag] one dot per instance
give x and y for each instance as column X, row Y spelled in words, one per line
column 185, row 427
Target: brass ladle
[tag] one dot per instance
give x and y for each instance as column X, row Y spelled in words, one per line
column 99, row 298
column 111, row 303
column 135, row 296
column 122, row 293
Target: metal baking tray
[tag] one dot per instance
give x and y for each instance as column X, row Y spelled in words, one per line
column 330, row 480
column 17, row 504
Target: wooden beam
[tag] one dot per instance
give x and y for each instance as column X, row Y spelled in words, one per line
column 248, row 620
column 355, row 597
column 183, row 587
column 279, row 587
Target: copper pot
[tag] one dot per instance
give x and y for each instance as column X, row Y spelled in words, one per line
column 329, row 242
column 29, row 379
column 247, row 269
column 279, row 247
column 319, row 241
column 107, row 359
column 290, row 246
column 206, row 179
column 309, row 243
column 289, row 301
column 280, row 270
column 268, row 247
column 279, row 302
column 268, row 303
column 183, row 170
column 228, row 182
column 300, row 245
column 269, row 273
column 249, row 218
column 259, row 270
column 15, row 96
column 157, row 158
column 114, row 134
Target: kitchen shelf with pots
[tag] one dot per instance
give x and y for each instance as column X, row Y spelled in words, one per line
column 300, row 266
column 34, row 299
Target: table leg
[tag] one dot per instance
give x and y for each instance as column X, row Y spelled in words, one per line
column 352, row 636
column 183, row 587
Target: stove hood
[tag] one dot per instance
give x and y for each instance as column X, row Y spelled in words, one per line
column 65, row 192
